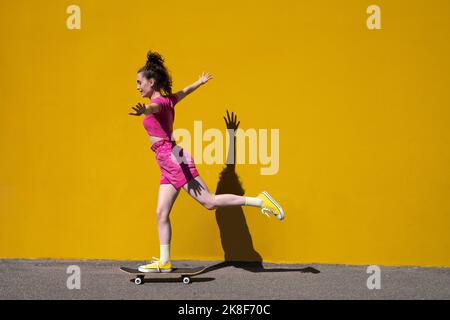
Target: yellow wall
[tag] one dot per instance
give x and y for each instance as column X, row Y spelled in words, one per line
column 363, row 117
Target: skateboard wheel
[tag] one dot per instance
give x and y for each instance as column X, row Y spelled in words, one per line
column 138, row 280
column 186, row 280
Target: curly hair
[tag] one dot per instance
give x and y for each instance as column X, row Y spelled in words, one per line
column 155, row 68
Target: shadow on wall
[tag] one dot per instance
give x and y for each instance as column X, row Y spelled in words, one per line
column 235, row 235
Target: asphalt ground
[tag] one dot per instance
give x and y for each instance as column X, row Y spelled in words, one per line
column 54, row 279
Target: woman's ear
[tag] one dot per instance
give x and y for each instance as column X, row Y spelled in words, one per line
column 152, row 82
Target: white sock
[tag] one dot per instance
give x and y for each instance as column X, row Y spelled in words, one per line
column 254, row 202
column 164, row 253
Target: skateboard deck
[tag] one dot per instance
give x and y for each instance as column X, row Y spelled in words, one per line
column 184, row 273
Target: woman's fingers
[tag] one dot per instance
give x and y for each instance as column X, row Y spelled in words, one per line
column 139, row 108
column 205, row 76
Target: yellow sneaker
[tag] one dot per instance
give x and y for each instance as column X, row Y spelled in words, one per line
column 156, row 266
column 270, row 206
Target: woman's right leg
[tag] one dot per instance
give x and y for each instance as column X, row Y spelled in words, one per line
column 166, row 198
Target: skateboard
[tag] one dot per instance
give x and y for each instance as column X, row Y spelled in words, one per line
column 184, row 273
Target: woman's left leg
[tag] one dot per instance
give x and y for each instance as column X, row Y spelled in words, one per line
column 200, row 192
column 197, row 189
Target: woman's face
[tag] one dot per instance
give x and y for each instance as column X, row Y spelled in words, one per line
column 145, row 86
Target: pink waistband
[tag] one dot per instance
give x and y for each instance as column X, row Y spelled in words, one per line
column 157, row 144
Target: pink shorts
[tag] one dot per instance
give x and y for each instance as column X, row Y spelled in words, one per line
column 176, row 165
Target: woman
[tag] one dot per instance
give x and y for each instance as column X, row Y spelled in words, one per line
column 177, row 166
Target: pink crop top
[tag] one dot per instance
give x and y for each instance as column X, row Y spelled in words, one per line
column 160, row 124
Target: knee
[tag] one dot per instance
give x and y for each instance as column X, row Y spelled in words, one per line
column 162, row 215
column 210, row 203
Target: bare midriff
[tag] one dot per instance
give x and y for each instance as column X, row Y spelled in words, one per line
column 154, row 139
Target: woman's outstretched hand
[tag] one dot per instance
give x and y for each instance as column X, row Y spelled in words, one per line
column 139, row 108
column 205, row 77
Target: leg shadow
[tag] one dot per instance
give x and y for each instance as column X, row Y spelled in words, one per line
column 235, row 236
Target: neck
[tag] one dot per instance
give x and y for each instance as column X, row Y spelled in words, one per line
column 155, row 94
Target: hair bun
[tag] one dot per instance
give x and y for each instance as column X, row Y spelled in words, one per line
column 154, row 59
